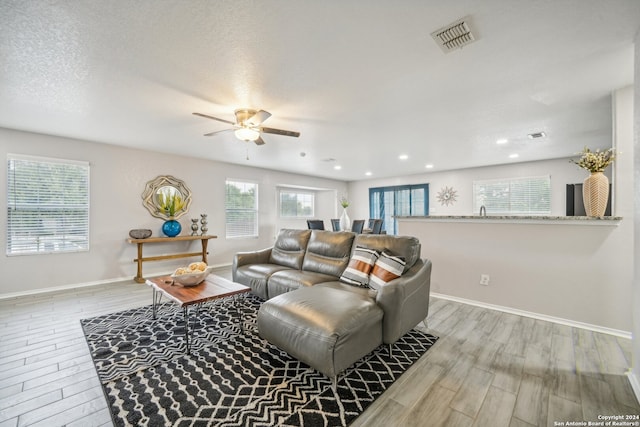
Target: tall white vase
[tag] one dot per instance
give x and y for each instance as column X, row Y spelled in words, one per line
column 345, row 222
column 595, row 194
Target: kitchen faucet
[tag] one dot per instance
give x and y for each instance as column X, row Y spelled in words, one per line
column 483, row 211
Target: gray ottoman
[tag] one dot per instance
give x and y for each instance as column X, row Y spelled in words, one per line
column 328, row 329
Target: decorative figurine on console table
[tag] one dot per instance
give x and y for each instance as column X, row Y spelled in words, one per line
column 194, row 226
column 203, row 221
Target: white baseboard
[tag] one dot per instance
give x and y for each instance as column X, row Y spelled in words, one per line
column 559, row 320
column 635, row 384
column 87, row 284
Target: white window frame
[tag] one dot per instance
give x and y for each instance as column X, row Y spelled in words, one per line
column 505, row 199
column 251, row 232
column 297, row 193
column 47, row 224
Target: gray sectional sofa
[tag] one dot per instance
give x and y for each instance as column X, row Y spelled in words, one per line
column 311, row 313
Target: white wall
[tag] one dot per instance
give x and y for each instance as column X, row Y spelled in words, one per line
column 635, row 297
column 118, row 177
column 575, row 272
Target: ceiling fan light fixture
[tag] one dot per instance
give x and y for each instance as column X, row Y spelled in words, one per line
column 247, row 134
column 247, row 126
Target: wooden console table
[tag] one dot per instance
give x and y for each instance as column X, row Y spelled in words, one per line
column 140, row 242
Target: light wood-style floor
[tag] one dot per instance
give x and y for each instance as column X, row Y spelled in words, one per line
column 488, row 368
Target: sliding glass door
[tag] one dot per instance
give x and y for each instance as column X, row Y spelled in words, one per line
column 401, row 200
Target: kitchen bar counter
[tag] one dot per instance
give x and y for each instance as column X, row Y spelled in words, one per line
column 574, row 268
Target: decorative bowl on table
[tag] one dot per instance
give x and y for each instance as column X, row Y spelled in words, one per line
column 193, row 278
column 140, row 233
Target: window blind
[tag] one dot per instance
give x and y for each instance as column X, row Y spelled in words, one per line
column 47, row 205
column 295, row 204
column 514, row 196
column 241, row 209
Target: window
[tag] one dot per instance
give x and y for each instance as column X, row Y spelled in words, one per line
column 402, row 200
column 241, row 209
column 513, row 196
column 296, row 204
column 47, row 205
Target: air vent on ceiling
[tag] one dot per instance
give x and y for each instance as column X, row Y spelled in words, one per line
column 454, row 36
column 537, row 135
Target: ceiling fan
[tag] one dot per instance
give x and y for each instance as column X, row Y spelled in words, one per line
column 247, row 125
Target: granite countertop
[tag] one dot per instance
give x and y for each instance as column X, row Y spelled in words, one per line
column 525, row 219
column 536, row 217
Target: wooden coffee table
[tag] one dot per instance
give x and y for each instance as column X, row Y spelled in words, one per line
column 213, row 287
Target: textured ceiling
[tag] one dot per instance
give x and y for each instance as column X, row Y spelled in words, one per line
column 362, row 81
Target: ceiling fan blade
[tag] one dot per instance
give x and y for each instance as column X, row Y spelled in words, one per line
column 218, row 131
column 214, row 118
column 259, row 141
column 258, row 118
column 280, row 132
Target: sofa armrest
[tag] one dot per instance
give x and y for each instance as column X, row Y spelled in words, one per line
column 254, row 257
column 405, row 301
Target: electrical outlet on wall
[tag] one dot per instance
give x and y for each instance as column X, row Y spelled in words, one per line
column 484, row 279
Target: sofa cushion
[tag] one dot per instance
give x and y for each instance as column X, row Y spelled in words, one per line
column 406, row 247
column 328, row 252
column 289, row 248
column 360, row 265
column 387, row 268
column 321, row 327
column 256, row 276
column 290, row 280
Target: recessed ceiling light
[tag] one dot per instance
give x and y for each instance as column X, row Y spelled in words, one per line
column 368, row 173
column 502, row 141
column 429, row 166
column 513, row 156
column 337, row 167
column 403, row 156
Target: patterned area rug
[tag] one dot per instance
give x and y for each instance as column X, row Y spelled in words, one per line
column 231, row 378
